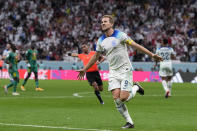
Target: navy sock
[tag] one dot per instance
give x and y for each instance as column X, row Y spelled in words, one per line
column 97, row 93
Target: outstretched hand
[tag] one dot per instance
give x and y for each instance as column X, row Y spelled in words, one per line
column 81, row 74
column 157, row 58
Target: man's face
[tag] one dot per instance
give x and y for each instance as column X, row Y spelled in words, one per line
column 84, row 48
column 105, row 24
column 8, row 46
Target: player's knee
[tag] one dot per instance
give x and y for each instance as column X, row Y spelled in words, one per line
column 100, row 88
column 94, row 84
column 123, row 98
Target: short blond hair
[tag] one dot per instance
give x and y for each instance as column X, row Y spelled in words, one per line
column 111, row 18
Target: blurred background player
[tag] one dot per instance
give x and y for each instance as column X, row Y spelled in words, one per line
column 165, row 68
column 13, row 59
column 114, row 44
column 6, row 53
column 1, row 66
column 92, row 75
column 32, row 66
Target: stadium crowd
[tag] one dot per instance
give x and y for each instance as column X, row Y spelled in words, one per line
column 61, row 26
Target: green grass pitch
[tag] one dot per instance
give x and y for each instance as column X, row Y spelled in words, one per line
column 72, row 106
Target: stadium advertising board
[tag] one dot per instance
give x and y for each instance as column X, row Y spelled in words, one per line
column 141, row 76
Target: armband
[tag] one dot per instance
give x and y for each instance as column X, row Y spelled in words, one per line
column 129, row 41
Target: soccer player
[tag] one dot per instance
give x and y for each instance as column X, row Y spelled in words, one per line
column 31, row 56
column 12, row 59
column 165, row 69
column 6, row 53
column 113, row 43
column 92, row 74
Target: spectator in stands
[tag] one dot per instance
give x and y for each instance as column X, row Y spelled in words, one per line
column 58, row 24
column 74, row 66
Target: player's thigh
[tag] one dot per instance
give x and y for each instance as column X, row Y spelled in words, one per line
column 35, row 69
column 98, row 79
column 29, row 70
column 90, row 78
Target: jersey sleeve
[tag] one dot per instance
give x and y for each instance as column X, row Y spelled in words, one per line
column 125, row 38
column 98, row 46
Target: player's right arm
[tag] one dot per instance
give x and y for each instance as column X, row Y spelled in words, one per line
column 93, row 60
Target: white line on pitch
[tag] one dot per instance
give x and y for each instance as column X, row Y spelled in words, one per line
column 76, row 95
column 51, row 127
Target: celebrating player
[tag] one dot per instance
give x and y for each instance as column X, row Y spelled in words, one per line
column 113, row 43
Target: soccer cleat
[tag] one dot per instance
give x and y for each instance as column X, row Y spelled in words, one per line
column 5, row 89
column 102, row 103
column 140, row 90
column 167, row 94
column 15, row 94
column 23, row 88
column 128, row 125
column 39, row 89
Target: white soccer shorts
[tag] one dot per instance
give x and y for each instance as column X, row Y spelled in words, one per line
column 123, row 81
column 165, row 70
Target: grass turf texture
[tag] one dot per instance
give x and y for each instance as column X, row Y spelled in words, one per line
column 56, row 109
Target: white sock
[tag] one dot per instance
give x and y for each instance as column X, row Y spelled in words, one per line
column 134, row 89
column 122, row 108
column 165, row 86
column 170, row 86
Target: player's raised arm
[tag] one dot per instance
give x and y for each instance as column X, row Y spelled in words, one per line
column 93, row 60
column 144, row 50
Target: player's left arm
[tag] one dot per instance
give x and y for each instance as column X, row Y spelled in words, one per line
column 101, row 59
column 132, row 43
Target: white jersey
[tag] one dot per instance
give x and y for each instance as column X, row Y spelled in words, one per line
column 6, row 53
column 165, row 53
column 115, row 49
column 165, row 65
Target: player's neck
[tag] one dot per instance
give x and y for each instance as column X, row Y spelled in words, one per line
column 87, row 52
column 109, row 32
